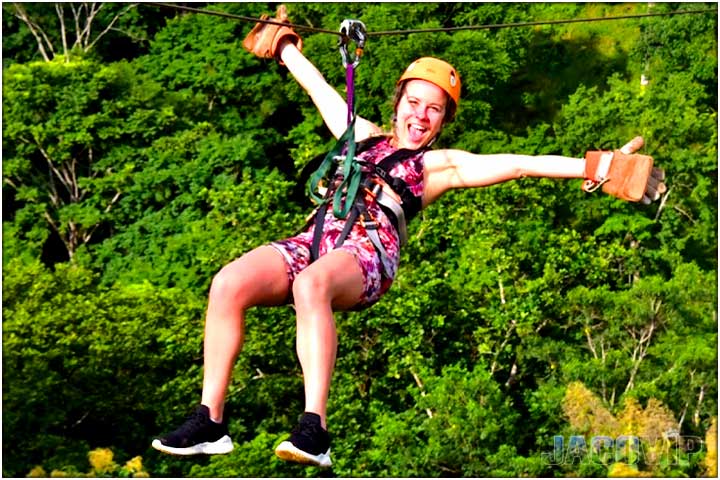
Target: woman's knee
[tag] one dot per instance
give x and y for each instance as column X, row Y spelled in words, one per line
column 227, row 285
column 256, row 278
column 312, row 286
column 336, row 282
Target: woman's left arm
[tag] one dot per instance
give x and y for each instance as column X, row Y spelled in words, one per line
column 448, row 169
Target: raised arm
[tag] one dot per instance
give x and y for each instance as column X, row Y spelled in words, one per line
column 331, row 105
column 274, row 40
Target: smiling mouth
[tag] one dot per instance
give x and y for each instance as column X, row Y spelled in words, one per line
column 416, row 133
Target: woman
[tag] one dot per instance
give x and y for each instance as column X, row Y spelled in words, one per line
column 357, row 272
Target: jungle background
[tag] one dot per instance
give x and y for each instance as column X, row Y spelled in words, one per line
column 143, row 148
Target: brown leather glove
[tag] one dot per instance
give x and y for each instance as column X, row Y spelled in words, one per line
column 265, row 38
column 624, row 174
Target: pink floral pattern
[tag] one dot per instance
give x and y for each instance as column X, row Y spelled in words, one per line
column 296, row 250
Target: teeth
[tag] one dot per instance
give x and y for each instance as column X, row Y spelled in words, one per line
column 416, row 133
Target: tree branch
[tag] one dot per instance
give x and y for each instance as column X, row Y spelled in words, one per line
column 35, row 30
column 640, row 350
column 500, row 285
column 696, row 415
column 513, row 325
column 682, row 417
column 63, row 33
column 76, row 17
column 55, row 173
column 88, row 235
column 63, row 238
column 590, row 342
column 662, row 203
column 112, row 22
column 683, row 212
column 513, row 374
column 422, row 391
column 87, row 31
column 10, row 182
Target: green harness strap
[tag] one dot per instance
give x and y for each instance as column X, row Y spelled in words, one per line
column 351, row 174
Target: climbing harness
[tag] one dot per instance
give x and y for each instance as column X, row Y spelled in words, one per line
column 372, row 178
column 355, row 182
column 351, row 30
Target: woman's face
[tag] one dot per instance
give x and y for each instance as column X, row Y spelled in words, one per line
column 420, row 113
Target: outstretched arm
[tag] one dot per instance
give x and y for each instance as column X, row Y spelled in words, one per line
column 331, row 105
column 621, row 173
column 448, row 169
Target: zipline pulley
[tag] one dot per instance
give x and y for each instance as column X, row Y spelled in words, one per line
column 355, row 31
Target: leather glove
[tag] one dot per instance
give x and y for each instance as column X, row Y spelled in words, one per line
column 624, row 174
column 265, row 39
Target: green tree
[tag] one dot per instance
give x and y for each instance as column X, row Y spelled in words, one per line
column 71, row 134
column 85, row 367
column 64, row 30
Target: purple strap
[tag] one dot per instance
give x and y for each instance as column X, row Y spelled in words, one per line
column 350, row 84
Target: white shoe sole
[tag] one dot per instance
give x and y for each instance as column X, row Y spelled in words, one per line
column 289, row 452
column 218, row 447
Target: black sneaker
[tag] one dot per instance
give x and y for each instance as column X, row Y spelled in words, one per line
column 308, row 444
column 198, row 435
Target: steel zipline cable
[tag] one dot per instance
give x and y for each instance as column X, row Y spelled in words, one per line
column 429, row 30
column 240, row 17
column 537, row 23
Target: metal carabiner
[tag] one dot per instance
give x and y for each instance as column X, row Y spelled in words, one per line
column 352, row 30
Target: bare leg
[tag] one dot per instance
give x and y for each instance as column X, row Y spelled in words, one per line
column 256, row 278
column 333, row 282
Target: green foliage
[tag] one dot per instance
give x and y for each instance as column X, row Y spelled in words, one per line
column 70, row 133
column 128, row 183
column 86, row 366
column 46, row 31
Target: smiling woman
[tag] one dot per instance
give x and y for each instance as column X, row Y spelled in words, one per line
column 344, row 264
column 420, row 114
column 436, row 72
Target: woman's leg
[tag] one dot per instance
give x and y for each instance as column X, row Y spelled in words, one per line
column 257, row 278
column 333, row 282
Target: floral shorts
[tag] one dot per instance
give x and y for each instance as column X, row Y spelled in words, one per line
column 376, row 281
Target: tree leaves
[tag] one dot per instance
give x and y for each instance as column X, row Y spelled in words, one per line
column 153, row 172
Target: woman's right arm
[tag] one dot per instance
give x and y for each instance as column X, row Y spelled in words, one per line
column 331, row 105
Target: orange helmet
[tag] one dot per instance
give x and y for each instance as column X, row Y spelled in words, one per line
column 435, row 71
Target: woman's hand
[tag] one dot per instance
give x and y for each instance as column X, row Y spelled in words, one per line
column 265, row 39
column 624, row 173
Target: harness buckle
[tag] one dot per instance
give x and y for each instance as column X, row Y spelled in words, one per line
column 369, row 224
column 372, row 188
column 352, row 30
column 590, row 186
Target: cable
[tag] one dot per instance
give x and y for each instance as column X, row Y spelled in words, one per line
column 542, row 22
column 427, row 30
column 241, row 17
